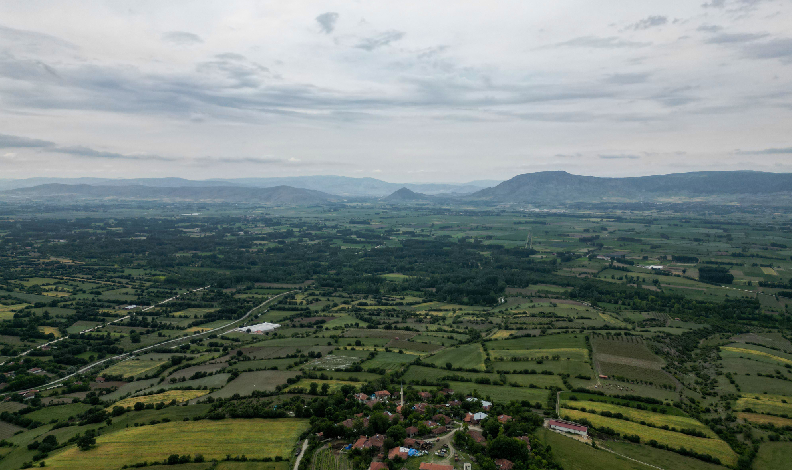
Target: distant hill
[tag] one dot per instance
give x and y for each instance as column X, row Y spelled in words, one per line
column 276, row 195
column 405, row 195
column 340, row 185
column 560, row 186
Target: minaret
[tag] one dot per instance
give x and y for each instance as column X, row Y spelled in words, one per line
column 402, row 395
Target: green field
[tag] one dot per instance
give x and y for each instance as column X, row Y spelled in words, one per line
column 641, row 416
column 468, row 356
column 714, row 447
column 256, row 438
column 773, row 456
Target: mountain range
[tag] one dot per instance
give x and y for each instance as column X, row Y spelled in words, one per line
column 542, row 188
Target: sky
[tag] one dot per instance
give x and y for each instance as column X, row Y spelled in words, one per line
column 407, row 91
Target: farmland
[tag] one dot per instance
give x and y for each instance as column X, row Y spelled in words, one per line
column 253, row 438
column 472, row 313
column 713, row 447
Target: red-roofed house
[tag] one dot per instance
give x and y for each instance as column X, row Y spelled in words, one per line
column 567, row 426
column 478, row 437
column 504, row 418
column 439, row 430
column 409, row 442
column 425, row 395
column 382, row 395
column 504, row 464
column 411, row 431
column 378, row 466
column 361, row 397
column 401, row 452
column 441, row 418
column 526, row 440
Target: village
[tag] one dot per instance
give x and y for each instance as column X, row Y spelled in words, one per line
column 441, row 430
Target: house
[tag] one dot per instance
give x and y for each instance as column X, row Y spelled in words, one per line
column 468, row 418
column 504, row 464
column 504, row 418
column 421, row 407
column 454, row 403
column 526, row 440
column 425, row 395
column 36, row 370
column 478, row 437
column 361, row 397
column 439, row 430
column 479, row 417
column 567, row 426
column 100, row 380
column 603, row 376
column 409, row 442
column 411, row 431
column 401, row 452
column 378, row 440
column 382, row 395
column 441, row 418
column 430, row 424
column 486, row 405
column 130, row 307
column 378, row 466
column 435, row 466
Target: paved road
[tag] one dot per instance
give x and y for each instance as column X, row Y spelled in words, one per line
column 105, row 324
column 128, row 355
column 299, row 457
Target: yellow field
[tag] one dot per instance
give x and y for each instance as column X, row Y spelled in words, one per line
column 636, row 416
column 757, row 353
column 194, row 311
column 500, row 334
column 165, row 397
column 133, row 367
column 256, row 438
column 7, row 311
column 50, row 329
column 611, row 319
column 197, row 329
column 765, row 404
column 765, row 419
column 714, row 447
column 334, row 384
column 770, row 271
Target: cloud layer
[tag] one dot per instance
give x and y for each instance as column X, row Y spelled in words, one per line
column 442, row 91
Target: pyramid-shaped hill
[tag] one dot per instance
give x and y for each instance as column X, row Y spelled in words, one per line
column 406, row 195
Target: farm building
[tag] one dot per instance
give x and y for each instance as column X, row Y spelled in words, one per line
column 568, row 427
column 257, row 329
column 603, row 376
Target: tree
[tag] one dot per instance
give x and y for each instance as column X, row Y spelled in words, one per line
column 314, row 389
column 397, row 433
column 87, row 440
column 139, row 406
column 325, row 388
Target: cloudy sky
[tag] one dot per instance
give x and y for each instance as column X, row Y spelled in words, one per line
column 402, row 91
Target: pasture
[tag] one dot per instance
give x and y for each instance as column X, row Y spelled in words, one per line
column 133, row 367
column 468, row 356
